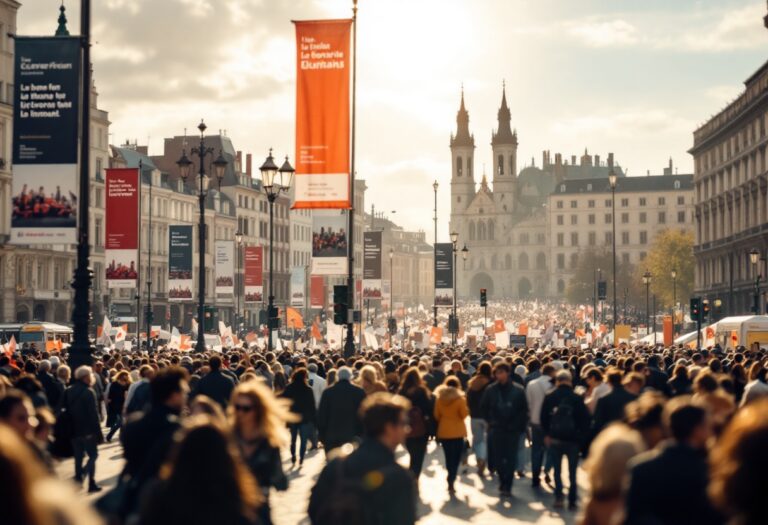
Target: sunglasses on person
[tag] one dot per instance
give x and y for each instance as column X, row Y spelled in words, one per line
column 244, row 408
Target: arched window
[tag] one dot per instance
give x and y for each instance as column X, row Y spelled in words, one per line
column 501, row 164
column 481, row 231
column 522, row 261
column 471, row 230
column 508, row 262
column 491, row 229
column 541, row 261
column 560, row 286
column 677, row 184
column 469, row 166
column 511, row 165
column 458, row 166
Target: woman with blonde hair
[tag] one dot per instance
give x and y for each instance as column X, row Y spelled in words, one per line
column 369, row 381
column 607, row 470
column 259, row 420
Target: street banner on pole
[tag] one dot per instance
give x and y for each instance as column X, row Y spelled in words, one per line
column 225, row 269
column 254, row 270
column 122, row 227
column 323, row 68
column 372, row 265
column 329, row 243
column 45, row 140
column 298, row 284
column 317, row 291
column 444, row 274
column 180, row 263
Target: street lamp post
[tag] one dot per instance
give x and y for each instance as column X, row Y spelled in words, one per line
column 185, row 167
column 455, row 322
column 434, row 251
column 391, row 296
column 238, row 249
column 612, row 182
column 647, row 283
column 754, row 257
column 674, row 300
column 274, row 181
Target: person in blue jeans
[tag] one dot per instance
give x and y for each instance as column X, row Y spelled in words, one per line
column 302, row 400
column 565, row 421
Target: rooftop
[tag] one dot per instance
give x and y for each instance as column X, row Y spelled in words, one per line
column 626, row 184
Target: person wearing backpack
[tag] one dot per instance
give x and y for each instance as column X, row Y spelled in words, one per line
column 369, row 487
column 413, row 389
column 565, row 422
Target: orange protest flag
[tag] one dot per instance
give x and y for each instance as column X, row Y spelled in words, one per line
column 316, row 334
column 580, row 333
column 522, row 328
column 491, row 347
column 294, row 319
column 435, row 335
column 498, row 326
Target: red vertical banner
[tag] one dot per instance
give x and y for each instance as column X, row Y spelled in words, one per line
column 122, row 227
column 323, row 68
column 668, row 335
column 317, row 292
column 254, row 274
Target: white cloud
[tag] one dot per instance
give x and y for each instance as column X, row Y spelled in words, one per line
column 604, row 33
column 735, row 30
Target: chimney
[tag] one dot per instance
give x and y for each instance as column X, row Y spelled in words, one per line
column 610, row 160
column 239, row 161
column 558, row 159
column 144, row 150
column 248, row 159
column 597, row 161
column 544, row 161
column 573, row 160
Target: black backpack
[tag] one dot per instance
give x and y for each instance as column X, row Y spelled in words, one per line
column 562, row 424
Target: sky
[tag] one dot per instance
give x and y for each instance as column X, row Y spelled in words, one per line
column 632, row 77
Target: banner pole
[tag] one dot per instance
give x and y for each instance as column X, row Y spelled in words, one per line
column 138, row 265
column 349, row 346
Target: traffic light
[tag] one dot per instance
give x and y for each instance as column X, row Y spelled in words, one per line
column 392, row 325
column 695, row 308
column 483, row 297
column 340, row 306
column 705, row 308
column 602, row 290
column 273, row 318
column 453, row 324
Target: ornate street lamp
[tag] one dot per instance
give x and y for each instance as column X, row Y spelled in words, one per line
column 674, row 300
column 238, row 283
column 202, row 183
column 612, row 182
column 647, row 283
column 434, row 250
column 754, row 257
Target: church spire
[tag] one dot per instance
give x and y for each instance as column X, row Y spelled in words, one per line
column 504, row 134
column 462, row 137
column 62, row 29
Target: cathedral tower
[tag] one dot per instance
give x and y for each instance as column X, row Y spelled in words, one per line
column 462, row 153
column 504, row 143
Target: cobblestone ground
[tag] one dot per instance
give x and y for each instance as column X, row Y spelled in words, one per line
column 476, row 499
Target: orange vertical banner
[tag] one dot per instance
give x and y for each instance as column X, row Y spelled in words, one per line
column 323, row 69
column 668, row 335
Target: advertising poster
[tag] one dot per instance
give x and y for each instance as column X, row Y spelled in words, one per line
column 45, row 140
column 372, row 265
column 329, row 243
column 122, row 227
column 317, row 291
column 180, row 263
column 444, row 274
column 322, row 114
column 225, row 268
column 254, row 270
column 298, row 285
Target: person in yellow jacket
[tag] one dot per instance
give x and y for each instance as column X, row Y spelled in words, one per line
column 450, row 413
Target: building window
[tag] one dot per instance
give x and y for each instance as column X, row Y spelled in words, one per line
column 501, row 164
column 574, row 219
column 625, row 202
column 562, row 188
column 559, row 220
column 625, row 258
column 608, row 203
column 643, row 217
column 561, row 261
column 560, row 239
column 559, row 205
column 589, row 187
column 681, row 201
column 97, row 233
column 662, row 201
column 607, row 218
column 643, row 237
column 677, row 184
column 591, row 203
column 625, row 218
column 681, row 217
column 624, row 237
column 574, row 239
column 591, row 218
column 608, row 237
column 573, row 204
column 642, row 201
column 662, row 217
column 592, row 238
column 458, row 166
column 574, row 260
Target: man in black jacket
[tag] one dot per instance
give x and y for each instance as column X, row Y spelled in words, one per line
column 337, row 418
column 505, row 409
column 610, row 407
column 216, row 384
column 369, row 487
column 668, row 486
column 79, row 401
column 565, row 422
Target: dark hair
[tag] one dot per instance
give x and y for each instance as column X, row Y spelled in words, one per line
column 381, row 409
column 411, row 379
column 452, row 381
column 548, row 369
column 682, row 416
column 645, row 412
column 12, row 398
column 614, row 376
column 594, row 373
column 300, row 375
column 215, row 363
column 485, row 369
column 501, row 366
column 166, row 383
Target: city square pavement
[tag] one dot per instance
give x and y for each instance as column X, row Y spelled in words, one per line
column 476, row 500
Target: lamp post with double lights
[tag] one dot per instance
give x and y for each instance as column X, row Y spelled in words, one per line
column 274, row 180
column 647, row 283
column 434, row 251
column 674, row 300
column 612, row 182
column 238, row 282
column 185, row 168
column 391, row 326
column 754, row 258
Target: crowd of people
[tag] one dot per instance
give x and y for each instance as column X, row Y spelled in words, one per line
column 35, row 205
column 663, row 435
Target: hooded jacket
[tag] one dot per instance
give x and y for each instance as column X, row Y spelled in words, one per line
column 450, row 411
column 475, row 391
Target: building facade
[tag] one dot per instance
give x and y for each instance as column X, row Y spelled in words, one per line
column 731, row 211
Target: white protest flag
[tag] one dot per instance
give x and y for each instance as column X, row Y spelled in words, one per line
column 106, row 328
column 175, row 342
column 502, row 339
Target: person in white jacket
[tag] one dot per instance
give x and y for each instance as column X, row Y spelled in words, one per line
column 318, row 385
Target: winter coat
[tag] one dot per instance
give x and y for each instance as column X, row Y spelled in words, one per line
column 337, row 418
column 450, row 412
column 505, row 407
column 302, row 400
column 475, row 390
